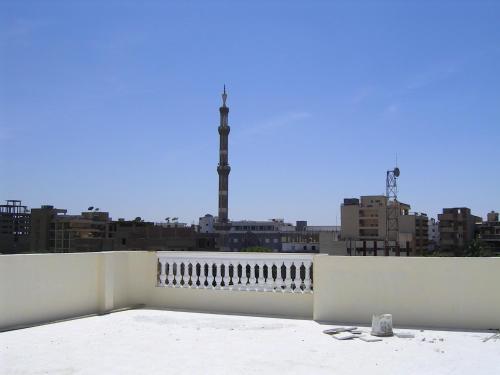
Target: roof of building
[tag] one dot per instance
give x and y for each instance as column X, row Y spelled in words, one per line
column 160, row 342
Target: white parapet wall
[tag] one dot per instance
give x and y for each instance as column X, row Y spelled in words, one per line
column 236, row 283
column 457, row 293
column 39, row 288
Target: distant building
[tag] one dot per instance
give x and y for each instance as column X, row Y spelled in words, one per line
column 15, row 227
column 41, row 238
column 433, row 238
column 206, row 224
column 489, row 232
column 249, row 233
column 55, row 231
column 364, row 224
column 456, row 230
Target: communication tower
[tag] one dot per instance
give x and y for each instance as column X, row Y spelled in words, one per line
column 392, row 211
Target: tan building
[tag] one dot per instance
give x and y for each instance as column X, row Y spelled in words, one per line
column 55, row 231
column 364, row 227
column 456, row 230
column 489, row 232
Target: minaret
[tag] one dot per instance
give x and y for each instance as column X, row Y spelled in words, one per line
column 223, row 168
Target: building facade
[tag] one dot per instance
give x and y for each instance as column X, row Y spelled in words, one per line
column 489, row 232
column 456, row 230
column 433, row 238
column 364, row 228
column 15, row 227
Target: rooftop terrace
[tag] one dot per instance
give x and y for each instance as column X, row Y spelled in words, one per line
column 161, row 342
column 266, row 313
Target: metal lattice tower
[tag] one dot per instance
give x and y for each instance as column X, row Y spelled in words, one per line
column 392, row 208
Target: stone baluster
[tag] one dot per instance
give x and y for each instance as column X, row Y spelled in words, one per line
column 218, row 276
column 234, row 278
column 189, row 275
column 244, row 276
column 210, row 278
column 307, row 277
column 180, row 280
column 252, row 281
column 204, row 276
column 278, row 283
column 261, row 280
column 298, row 280
column 226, row 274
column 196, row 278
column 288, row 279
column 269, row 286
column 171, row 276
column 163, row 275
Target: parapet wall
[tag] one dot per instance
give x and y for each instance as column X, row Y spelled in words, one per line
column 459, row 293
column 456, row 293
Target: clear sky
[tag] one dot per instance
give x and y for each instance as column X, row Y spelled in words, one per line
column 115, row 105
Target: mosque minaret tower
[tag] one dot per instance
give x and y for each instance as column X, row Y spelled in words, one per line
column 223, row 168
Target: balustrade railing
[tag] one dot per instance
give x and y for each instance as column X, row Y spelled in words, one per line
column 268, row 272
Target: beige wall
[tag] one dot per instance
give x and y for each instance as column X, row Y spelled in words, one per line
column 234, row 302
column 429, row 292
column 46, row 287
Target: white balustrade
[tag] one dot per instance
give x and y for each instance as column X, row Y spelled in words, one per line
column 236, row 271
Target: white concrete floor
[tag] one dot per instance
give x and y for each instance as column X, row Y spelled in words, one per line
column 167, row 342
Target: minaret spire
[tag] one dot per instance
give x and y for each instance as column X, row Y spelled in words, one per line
column 223, row 170
column 224, row 97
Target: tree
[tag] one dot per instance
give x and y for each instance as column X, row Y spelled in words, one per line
column 478, row 248
column 256, row 249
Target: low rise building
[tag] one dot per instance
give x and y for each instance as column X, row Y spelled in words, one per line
column 364, row 228
column 456, row 230
column 15, row 227
column 433, row 237
column 489, row 232
column 53, row 230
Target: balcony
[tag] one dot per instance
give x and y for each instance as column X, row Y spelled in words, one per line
column 216, row 313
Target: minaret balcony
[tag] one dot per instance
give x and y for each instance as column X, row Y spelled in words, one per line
column 224, row 130
column 223, row 169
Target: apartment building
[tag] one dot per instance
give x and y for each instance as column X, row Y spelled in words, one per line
column 433, row 237
column 53, row 230
column 456, row 230
column 489, row 232
column 364, row 227
column 15, row 227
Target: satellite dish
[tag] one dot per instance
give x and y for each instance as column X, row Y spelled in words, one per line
column 396, row 172
column 90, row 208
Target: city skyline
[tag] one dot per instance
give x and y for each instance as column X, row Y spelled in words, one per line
column 322, row 100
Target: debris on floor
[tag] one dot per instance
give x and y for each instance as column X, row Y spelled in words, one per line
column 369, row 338
column 349, row 333
column 344, row 336
column 333, row 331
column 405, row 335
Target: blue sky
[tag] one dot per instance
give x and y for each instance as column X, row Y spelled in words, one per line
column 115, row 104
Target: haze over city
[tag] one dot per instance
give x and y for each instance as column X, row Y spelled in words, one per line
column 116, row 106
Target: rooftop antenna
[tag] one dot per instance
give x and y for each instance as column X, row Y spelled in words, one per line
column 392, row 209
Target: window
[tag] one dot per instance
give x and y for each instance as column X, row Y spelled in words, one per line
column 235, row 240
column 124, row 241
column 268, row 240
column 275, row 240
